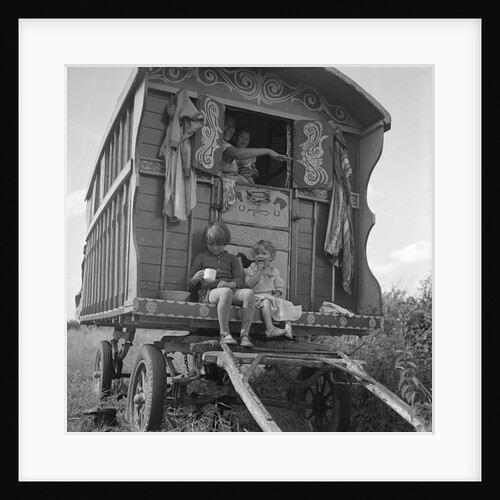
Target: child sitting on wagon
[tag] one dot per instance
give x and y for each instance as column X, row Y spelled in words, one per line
column 228, row 287
column 268, row 286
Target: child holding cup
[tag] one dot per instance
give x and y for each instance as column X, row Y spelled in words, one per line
column 227, row 286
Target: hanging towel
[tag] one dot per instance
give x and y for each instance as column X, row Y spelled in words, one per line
column 180, row 178
column 339, row 241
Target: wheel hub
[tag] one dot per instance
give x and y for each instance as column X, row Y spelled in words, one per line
column 319, row 404
column 139, row 399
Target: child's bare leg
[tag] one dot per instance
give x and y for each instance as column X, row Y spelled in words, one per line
column 246, row 298
column 266, row 314
column 223, row 298
column 271, row 330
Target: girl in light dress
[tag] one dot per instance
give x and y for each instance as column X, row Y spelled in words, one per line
column 268, row 286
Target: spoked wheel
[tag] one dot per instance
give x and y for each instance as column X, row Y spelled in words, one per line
column 325, row 404
column 103, row 370
column 146, row 390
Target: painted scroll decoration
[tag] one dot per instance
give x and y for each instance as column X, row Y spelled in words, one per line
column 253, row 85
column 208, row 140
column 313, row 157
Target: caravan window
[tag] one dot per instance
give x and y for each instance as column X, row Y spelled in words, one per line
column 266, row 132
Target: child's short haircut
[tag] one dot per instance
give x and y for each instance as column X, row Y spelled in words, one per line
column 216, row 232
column 267, row 245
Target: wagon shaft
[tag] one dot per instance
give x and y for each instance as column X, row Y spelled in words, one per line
column 227, row 360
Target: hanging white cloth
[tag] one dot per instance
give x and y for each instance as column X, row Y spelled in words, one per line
column 180, row 178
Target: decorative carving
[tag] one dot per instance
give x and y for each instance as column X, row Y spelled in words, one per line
column 354, row 200
column 253, row 85
column 312, row 154
column 210, row 134
column 151, row 306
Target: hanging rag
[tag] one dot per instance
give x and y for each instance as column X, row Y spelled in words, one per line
column 228, row 193
column 339, row 241
column 330, row 307
column 180, row 178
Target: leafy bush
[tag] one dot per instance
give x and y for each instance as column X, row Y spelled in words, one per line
column 400, row 357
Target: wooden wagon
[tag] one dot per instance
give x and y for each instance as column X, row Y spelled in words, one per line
column 137, row 246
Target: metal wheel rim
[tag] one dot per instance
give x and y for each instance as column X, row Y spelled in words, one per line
column 98, row 369
column 139, row 411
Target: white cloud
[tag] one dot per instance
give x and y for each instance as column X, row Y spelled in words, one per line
column 75, row 204
column 420, row 251
column 404, row 267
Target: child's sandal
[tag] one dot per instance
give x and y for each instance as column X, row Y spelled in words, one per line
column 227, row 338
column 275, row 332
column 246, row 342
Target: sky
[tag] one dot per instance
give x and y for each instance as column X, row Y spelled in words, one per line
column 400, row 192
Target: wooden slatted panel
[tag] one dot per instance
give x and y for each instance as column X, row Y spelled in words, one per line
column 111, row 260
column 96, row 187
column 114, row 157
column 125, row 137
column 100, row 249
column 98, row 257
column 104, row 266
column 102, row 169
column 93, row 275
column 130, row 117
column 116, row 248
column 121, row 272
column 88, row 275
column 108, row 167
column 119, row 148
column 93, row 260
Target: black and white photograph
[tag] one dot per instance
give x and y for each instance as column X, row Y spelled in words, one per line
column 251, row 249
column 260, row 175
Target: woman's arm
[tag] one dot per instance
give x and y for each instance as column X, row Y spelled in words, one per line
column 233, row 153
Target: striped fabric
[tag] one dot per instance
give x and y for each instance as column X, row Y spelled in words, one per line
column 339, row 241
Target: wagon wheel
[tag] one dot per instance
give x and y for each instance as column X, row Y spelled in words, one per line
column 103, row 370
column 324, row 403
column 146, row 390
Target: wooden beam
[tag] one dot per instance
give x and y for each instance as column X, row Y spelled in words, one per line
column 252, row 402
column 398, row 405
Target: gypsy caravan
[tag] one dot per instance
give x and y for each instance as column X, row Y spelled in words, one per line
column 146, row 211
